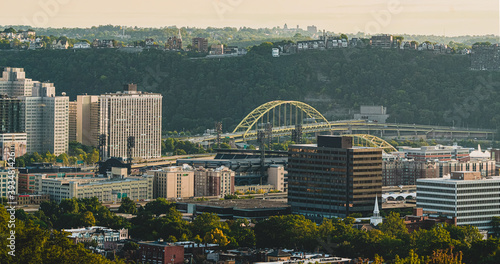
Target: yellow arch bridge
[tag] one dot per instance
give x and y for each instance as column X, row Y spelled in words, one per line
column 287, row 114
column 280, row 118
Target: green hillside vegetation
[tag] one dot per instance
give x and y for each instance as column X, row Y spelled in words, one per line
column 416, row 87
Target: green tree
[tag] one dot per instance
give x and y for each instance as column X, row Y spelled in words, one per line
column 292, row 231
column 158, row 206
column 207, row 222
column 495, row 223
column 216, row 236
column 127, row 206
column 394, row 226
column 87, row 219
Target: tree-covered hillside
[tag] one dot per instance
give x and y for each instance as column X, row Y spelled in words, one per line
column 416, row 87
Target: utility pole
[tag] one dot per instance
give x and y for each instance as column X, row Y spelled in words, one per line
column 297, row 134
column 261, row 137
column 218, row 130
column 269, row 134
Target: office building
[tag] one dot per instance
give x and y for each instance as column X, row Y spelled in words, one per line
column 333, row 178
column 131, row 114
column 213, row 182
column 135, row 188
column 30, row 178
column 173, row 182
column 87, row 120
column 72, row 106
column 472, row 199
column 45, row 119
column 14, row 83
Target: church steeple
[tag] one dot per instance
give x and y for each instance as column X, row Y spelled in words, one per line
column 376, row 218
column 179, row 36
column 376, row 212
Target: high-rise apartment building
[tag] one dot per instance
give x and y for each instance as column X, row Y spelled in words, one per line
column 173, row 182
column 87, row 119
column 45, row 119
column 131, row 114
column 213, row 182
column 333, row 178
column 472, row 199
column 33, row 108
column 14, row 83
column 10, row 115
column 72, row 121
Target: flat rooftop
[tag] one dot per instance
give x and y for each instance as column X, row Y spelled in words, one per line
column 240, row 203
column 489, row 178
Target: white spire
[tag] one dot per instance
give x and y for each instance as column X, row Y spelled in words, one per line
column 479, row 148
column 179, row 36
column 376, row 219
column 376, row 212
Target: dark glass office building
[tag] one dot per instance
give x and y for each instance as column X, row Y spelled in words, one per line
column 333, row 178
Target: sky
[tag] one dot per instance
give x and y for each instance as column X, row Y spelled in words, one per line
column 424, row 17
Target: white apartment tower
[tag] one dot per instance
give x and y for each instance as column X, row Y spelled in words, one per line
column 45, row 118
column 131, row 114
column 43, row 115
column 14, row 83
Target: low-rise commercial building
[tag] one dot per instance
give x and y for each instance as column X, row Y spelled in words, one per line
column 236, row 209
column 30, row 177
column 135, row 188
column 27, row 199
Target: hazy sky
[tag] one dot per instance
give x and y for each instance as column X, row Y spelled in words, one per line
column 438, row 17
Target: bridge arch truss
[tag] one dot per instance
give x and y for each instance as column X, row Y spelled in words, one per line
column 280, row 113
